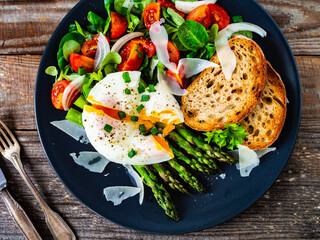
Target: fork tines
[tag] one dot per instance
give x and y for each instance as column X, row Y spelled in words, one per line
column 6, row 137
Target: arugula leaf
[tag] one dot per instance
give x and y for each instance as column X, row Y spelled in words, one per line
column 193, row 35
column 229, row 137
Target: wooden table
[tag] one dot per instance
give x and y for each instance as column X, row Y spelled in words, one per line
column 291, row 207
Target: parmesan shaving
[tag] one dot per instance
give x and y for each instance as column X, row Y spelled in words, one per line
column 117, row 194
column 137, row 179
column 93, row 161
column 73, row 130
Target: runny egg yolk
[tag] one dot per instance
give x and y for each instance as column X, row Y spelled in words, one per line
column 161, row 143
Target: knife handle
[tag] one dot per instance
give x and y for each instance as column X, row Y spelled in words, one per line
column 20, row 216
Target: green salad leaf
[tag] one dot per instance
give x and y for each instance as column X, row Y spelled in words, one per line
column 133, row 22
column 213, row 32
column 52, row 71
column 96, row 21
column 107, row 6
column 193, row 35
column 229, row 137
column 72, row 36
column 176, row 18
column 69, row 47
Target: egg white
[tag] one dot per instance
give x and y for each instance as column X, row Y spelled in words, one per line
column 125, row 135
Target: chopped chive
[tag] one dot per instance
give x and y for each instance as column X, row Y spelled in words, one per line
column 237, row 19
column 151, row 88
column 142, row 128
column 108, row 128
column 145, row 98
column 154, row 131
column 81, row 70
column 132, row 153
column 122, row 115
column 140, row 53
column 127, row 91
column 134, row 118
column 126, row 77
column 141, row 89
column 140, row 108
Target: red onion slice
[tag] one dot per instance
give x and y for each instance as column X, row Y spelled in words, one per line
column 103, row 48
column 187, row 7
column 71, row 90
column 123, row 40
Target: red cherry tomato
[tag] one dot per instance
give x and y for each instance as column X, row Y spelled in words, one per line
column 89, row 47
column 57, row 93
column 174, row 54
column 119, row 25
column 219, row 15
column 151, row 14
column 78, row 61
column 169, row 4
column 202, row 15
column 130, row 57
column 148, row 47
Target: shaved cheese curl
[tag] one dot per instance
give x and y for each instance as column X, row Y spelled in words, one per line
column 159, row 37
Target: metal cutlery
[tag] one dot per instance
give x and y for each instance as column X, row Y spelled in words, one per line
column 10, row 149
column 17, row 212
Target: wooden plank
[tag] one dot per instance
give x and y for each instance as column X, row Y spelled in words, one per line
column 26, row 26
column 290, row 209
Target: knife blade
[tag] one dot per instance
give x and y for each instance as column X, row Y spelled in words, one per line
column 3, row 180
column 17, row 212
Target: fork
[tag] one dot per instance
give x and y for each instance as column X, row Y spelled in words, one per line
column 10, row 149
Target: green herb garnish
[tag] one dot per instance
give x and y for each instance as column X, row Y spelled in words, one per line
column 122, row 115
column 126, row 77
column 140, row 108
column 154, row 131
column 141, row 89
column 134, row 118
column 108, row 128
column 151, row 88
column 132, row 153
column 127, row 91
column 140, row 53
column 229, row 137
column 142, row 128
column 145, row 98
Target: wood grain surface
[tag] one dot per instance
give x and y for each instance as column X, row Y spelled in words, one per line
column 289, row 210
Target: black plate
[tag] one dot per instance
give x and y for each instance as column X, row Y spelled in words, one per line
column 226, row 197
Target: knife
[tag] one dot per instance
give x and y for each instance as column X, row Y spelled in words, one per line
column 17, row 212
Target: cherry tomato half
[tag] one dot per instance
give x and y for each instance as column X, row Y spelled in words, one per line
column 131, row 57
column 119, row 25
column 89, row 47
column 174, row 54
column 57, row 93
column 78, row 61
column 169, row 4
column 148, row 47
column 219, row 15
column 202, row 15
column 151, row 14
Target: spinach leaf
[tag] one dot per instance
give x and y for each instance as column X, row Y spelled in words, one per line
column 237, row 19
column 176, row 18
column 193, row 35
column 72, row 36
column 96, row 21
column 213, row 32
column 69, row 47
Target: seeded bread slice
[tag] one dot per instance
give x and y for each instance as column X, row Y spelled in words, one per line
column 265, row 122
column 212, row 101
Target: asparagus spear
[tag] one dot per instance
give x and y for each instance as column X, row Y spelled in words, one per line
column 193, row 163
column 160, row 193
column 195, row 152
column 168, row 178
column 212, row 151
column 187, row 176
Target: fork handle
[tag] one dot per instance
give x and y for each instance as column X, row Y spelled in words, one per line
column 58, row 227
column 20, row 216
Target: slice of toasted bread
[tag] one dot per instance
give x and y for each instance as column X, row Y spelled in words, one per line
column 265, row 122
column 212, row 101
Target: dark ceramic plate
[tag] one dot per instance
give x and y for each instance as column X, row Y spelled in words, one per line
column 225, row 198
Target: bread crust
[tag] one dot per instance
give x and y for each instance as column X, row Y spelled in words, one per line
column 212, row 101
column 266, row 121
